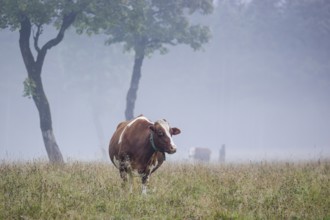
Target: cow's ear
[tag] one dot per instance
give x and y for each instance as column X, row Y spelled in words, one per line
column 176, row 131
column 152, row 127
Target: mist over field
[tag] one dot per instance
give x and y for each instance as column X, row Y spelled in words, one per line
column 259, row 86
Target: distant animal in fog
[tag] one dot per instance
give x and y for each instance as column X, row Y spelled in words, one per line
column 138, row 147
column 200, row 154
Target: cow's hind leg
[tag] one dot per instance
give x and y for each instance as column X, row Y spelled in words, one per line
column 130, row 180
column 123, row 172
column 127, row 177
column 123, row 175
column 126, row 173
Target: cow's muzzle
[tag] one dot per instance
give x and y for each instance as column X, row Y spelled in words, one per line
column 172, row 150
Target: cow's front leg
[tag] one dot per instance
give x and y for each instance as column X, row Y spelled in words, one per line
column 145, row 180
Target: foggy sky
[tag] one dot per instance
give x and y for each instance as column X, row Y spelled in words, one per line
column 258, row 102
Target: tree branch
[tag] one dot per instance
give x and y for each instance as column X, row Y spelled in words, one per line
column 68, row 19
column 36, row 37
column 152, row 42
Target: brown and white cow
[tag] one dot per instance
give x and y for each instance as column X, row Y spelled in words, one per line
column 138, row 147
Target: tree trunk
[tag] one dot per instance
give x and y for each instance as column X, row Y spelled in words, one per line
column 34, row 69
column 41, row 102
column 132, row 92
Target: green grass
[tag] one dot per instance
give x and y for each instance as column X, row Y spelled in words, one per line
column 38, row 190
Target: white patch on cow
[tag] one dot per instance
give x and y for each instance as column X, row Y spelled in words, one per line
column 129, row 125
column 138, row 118
column 152, row 166
column 121, row 135
column 144, row 189
column 166, row 127
column 116, row 162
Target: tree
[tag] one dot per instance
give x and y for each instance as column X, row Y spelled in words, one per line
column 147, row 26
column 31, row 17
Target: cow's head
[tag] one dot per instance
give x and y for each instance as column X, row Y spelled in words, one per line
column 162, row 135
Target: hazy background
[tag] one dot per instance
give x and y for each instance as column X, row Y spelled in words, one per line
column 262, row 91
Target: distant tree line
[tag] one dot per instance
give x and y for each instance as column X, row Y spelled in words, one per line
column 147, row 26
column 291, row 25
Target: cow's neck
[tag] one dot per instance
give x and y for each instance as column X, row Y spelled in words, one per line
column 152, row 142
column 145, row 155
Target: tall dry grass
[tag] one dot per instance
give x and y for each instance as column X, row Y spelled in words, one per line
column 77, row 190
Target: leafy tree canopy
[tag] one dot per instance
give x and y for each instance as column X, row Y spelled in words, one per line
column 39, row 12
column 150, row 23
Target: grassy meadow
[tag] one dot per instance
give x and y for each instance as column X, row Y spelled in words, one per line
column 76, row 190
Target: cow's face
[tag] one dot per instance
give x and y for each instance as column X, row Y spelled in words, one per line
column 163, row 136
